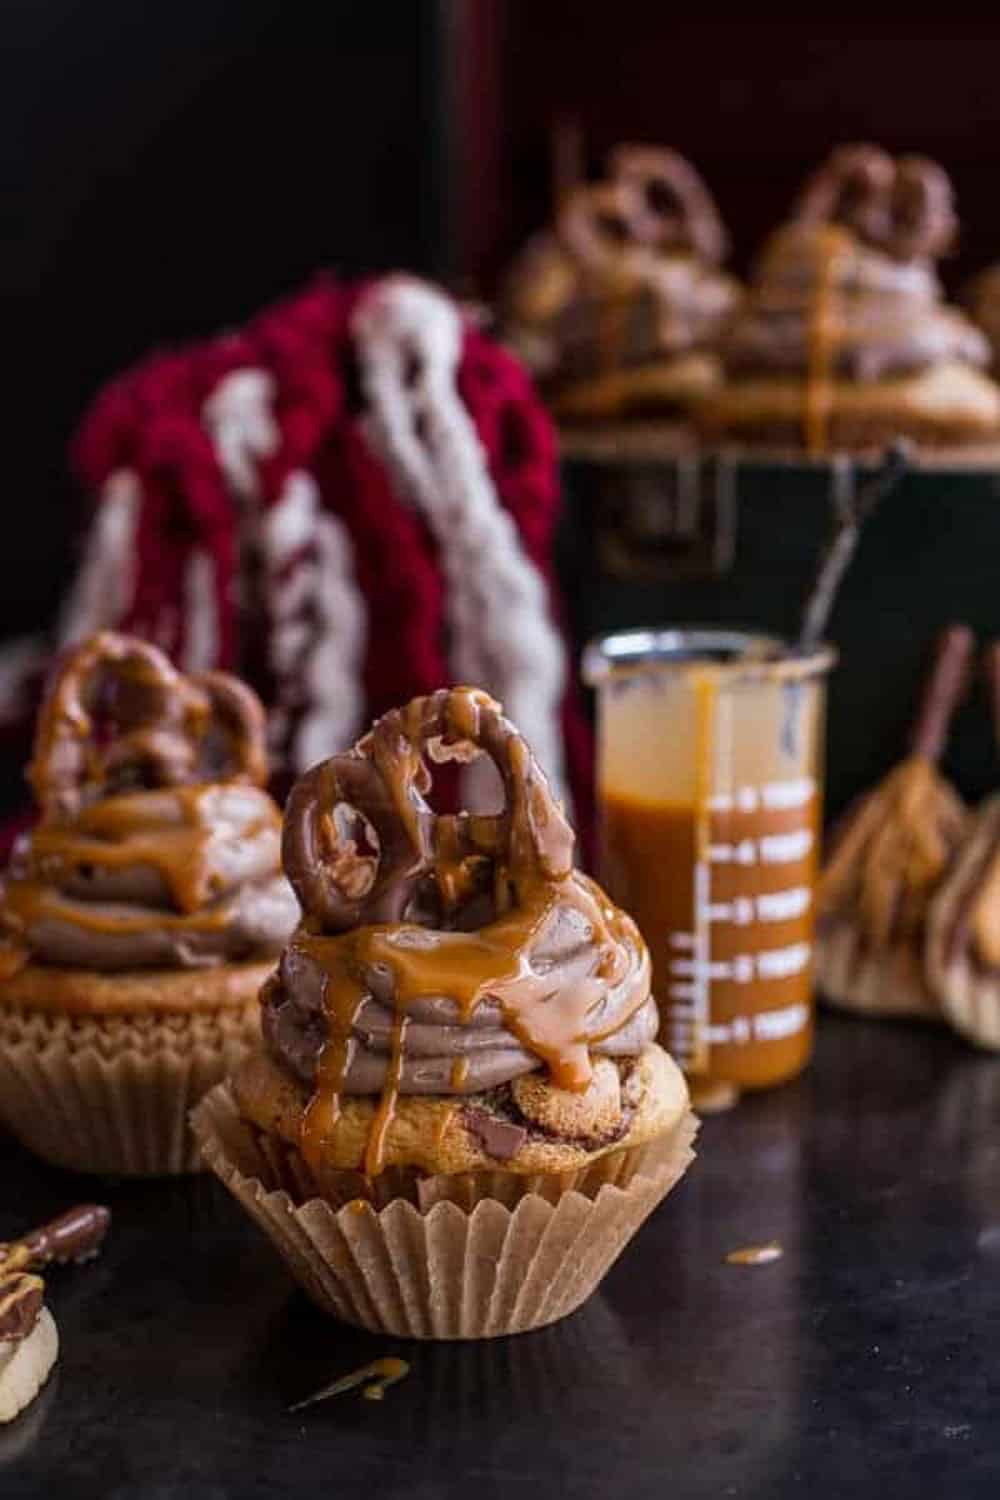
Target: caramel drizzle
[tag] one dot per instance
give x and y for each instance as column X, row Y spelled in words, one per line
column 551, row 1019
column 528, row 850
column 375, row 1147
column 755, row 1255
column 823, row 334
column 374, row 1378
column 178, row 832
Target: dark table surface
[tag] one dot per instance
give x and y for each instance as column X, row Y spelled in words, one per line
column 864, row 1362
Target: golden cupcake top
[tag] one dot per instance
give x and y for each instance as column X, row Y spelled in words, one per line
column 447, row 954
column 157, row 845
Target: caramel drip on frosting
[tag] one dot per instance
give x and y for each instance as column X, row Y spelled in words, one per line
column 823, row 333
column 375, row 1149
column 157, row 846
column 550, row 1017
column 181, row 833
column 177, row 833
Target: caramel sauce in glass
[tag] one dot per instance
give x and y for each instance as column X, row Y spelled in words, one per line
column 710, row 815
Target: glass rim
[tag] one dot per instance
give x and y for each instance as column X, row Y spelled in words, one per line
column 736, row 655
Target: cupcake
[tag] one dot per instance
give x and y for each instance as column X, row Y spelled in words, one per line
column 844, row 340
column 887, row 861
column 963, row 929
column 459, row 1114
column 618, row 309
column 142, row 913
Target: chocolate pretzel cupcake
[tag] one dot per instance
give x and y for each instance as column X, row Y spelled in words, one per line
column 458, row 1047
column 617, row 311
column 142, row 914
column 844, row 340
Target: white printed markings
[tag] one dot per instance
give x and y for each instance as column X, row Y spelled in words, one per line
column 775, row 796
column 773, row 963
column 770, row 849
column 774, row 906
column 765, row 1026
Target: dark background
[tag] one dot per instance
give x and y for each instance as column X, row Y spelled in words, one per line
column 171, row 167
column 756, row 102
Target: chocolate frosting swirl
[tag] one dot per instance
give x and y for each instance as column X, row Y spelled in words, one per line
column 445, row 954
column 857, row 258
column 888, row 316
column 439, row 1032
column 138, row 861
column 628, row 275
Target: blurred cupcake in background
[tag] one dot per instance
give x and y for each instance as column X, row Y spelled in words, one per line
column 618, row 308
column 844, row 340
column 142, row 914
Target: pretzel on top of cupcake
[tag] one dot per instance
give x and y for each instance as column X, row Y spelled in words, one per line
column 617, row 308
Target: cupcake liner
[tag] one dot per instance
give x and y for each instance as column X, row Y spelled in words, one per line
column 474, row 1256
column 875, row 982
column 112, row 1094
column 970, row 1000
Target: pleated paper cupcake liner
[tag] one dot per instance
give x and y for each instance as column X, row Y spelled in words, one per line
column 474, row 1256
column 113, row 1094
column 970, row 1000
column 876, row 982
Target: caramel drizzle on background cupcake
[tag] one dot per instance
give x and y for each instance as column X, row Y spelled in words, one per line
column 629, row 274
column 902, row 208
column 149, row 785
column 385, row 901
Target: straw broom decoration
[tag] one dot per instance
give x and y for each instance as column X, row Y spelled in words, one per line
column 888, row 857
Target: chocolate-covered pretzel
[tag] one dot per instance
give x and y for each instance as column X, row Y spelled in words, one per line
column 383, row 783
column 676, row 211
column 600, row 222
column 118, row 716
column 902, row 206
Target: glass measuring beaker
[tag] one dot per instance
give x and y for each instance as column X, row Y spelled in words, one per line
column 710, row 790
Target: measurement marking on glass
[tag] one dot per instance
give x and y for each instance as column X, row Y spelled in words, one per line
column 766, row 1026
column 776, row 796
column 775, row 906
column 771, row 849
column 744, row 968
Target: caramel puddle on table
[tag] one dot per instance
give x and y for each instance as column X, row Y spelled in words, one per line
column 376, row 1378
column 755, row 1255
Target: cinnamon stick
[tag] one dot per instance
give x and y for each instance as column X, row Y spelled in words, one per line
column 944, row 687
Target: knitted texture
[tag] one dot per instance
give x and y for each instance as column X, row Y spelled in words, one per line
column 351, row 501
